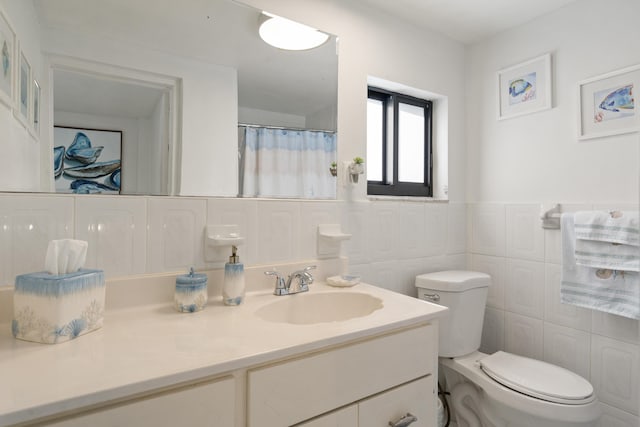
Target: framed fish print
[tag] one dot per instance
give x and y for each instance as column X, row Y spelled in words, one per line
column 24, row 90
column 525, row 88
column 607, row 104
column 7, row 61
column 87, row 161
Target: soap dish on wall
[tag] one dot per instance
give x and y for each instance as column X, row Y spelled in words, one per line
column 218, row 238
column 329, row 238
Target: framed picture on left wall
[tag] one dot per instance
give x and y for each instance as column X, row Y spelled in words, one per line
column 7, row 63
column 24, row 90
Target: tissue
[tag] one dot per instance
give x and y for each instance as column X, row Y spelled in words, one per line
column 65, row 256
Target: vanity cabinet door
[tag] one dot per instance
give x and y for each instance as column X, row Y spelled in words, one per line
column 324, row 381
column 416, row 398
column 205, row 404
column 345, row 417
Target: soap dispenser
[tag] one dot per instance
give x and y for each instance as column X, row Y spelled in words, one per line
column 233, row 287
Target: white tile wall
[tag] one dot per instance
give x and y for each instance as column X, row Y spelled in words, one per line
column 567, row 347
column 27, row 224
column 392, row 242
column 278, row 228
column 412, row 228
column 496, row 268
column 524, row 236
column 524, row 289
column 115, row 228
column 558, row 313
column 435, row 229
column 384, row 232
column 175, row 233
column 600, row 346
column 493, row 331
column 358, row 225
column 457, row 228
column 312, row 214
column 240, row 212
column 523, row 335
column 488, row 232
column 615, row 369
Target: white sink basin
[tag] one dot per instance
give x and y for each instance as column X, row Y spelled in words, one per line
column 309, row 308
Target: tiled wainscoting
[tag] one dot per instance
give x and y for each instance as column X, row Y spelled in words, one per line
column 524, row 314
column 135, row 235
column 391, row 243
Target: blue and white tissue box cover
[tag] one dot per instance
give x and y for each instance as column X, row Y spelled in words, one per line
column 52, row 309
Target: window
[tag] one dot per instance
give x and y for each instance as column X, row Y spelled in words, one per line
column 399, row 160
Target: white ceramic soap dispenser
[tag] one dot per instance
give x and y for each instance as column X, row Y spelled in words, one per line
column 233, row 287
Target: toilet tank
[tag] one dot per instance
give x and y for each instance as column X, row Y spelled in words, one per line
column 465, row 294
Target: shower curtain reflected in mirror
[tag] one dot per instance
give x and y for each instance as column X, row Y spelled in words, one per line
column 286, row 163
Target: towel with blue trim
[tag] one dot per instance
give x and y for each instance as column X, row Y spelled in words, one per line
column 609, row 290
column 613, row 227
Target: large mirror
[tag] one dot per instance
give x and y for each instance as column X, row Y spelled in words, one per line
column 224, row 75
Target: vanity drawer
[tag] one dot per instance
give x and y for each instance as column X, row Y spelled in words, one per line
column 299, row 389
column 205, row 404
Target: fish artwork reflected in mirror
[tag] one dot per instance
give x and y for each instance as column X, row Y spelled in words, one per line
column 76, row 166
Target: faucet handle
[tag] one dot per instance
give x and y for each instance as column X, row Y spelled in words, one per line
column 281, row 287
column 308, row 275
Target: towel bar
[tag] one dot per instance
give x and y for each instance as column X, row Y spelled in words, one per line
column 551, row 217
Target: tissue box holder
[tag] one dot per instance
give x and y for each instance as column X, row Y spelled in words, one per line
column 52, row 309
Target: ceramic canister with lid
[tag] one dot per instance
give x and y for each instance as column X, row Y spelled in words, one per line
column 191, row 292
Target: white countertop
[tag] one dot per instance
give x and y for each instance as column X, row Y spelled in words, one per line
column 149, row 347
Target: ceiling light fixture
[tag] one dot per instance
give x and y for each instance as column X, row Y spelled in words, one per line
column 289, row 35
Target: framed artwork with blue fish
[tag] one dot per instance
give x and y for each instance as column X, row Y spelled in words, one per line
column 607, row 104
column 525, row 88
column 7, row 61
column 87, row 161
column 24, row 90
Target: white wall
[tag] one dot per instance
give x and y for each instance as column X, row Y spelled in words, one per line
column 21, row 151
column 515, row 165
column 538, row 157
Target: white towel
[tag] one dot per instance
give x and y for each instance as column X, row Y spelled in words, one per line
column 599, row 289
column 615, row 227
column 613, row 256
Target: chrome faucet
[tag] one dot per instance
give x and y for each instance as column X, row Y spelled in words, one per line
column 283, row 287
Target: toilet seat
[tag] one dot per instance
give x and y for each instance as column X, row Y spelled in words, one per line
column 537, row 379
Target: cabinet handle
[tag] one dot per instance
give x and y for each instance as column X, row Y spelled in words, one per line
column 404, row 421
column 432, row 297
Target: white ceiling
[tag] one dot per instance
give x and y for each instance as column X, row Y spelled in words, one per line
column 194, row 29
column 467, row 20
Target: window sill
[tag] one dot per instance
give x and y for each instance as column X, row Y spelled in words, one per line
column 418, row 199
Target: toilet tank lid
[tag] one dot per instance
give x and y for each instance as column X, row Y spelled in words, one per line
column 453, row 280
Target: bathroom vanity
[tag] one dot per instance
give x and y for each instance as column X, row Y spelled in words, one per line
column 235, row 366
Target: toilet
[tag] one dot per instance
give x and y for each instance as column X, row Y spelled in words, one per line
column 500, row 389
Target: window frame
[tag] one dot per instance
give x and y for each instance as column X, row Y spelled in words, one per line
column 392, row 186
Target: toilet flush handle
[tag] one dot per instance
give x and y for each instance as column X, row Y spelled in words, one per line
column 404, row 421
column 432, row 297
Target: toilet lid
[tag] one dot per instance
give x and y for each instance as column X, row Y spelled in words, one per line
column 537, row 379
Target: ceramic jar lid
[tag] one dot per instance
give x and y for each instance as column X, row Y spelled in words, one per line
column 191, row 279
